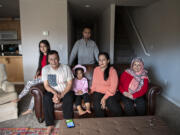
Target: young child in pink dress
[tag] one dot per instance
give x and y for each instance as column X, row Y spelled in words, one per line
column 80, row 87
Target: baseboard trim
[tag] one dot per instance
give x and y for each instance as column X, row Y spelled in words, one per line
column 171, row 100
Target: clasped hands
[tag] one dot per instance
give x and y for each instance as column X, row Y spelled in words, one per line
column 57, row 97
column 79, row 92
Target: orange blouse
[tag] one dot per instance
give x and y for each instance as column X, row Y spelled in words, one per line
column 108, row 87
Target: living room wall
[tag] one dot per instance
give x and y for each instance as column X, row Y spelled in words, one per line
column 38, row 16
column 106, row 30
column 158, row 25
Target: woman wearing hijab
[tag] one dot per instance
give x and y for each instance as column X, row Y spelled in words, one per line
column 133, row 85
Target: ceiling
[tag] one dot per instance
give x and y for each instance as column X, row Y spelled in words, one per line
column 10, row 8
column 82, row 13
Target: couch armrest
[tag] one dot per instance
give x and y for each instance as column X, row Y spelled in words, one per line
column 38, row 91
column 151, row 98
column 8, row 87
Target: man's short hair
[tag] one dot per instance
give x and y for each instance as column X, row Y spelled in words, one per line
column 53, row 52
column 86, row 27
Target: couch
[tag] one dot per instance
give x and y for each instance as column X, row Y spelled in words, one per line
column 8, row 109
column 38, row 90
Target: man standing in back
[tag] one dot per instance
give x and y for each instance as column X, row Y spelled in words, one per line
column 84, row 49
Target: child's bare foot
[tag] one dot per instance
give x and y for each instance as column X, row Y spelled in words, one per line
column 88, row 111
column 27, row 112
column 81, row 112
column 50, row 129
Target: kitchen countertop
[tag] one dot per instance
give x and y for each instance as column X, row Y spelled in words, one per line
column 10, row 56
column 4, row 42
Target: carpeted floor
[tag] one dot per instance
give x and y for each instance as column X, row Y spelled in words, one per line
column 27, row 121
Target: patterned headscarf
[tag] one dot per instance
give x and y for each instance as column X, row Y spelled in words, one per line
column 138, row 81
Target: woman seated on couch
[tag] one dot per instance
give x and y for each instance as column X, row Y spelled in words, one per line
column 104, row 86
column 133, row 85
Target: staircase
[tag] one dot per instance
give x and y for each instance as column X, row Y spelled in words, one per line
column 123, row 51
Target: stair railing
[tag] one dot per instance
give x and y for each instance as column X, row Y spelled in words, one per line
column 137, row 33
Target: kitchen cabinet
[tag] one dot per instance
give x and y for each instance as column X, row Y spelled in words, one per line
column 11, row 25
column 14, row 68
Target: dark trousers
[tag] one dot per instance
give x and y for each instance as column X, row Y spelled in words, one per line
column 79, row 98
column 48, row 107
column 111, row 103
column 133, row 107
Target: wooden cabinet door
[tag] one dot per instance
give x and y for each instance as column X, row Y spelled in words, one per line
column 13, row 25
column 14, row 68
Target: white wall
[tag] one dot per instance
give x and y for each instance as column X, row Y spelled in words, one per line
column 36, row 16
column 70, row 30
column 159, row 26
column 106, row 31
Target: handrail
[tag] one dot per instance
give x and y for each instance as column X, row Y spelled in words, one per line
column 137, row 34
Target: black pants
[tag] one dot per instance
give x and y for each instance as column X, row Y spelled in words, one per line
column 133, row 107
column 79, row 98
column 111, row 104
column 48, row 107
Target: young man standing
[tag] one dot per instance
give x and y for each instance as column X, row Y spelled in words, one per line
column 85, row 49
column 57, row 80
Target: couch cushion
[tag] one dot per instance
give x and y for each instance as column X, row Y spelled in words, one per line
column 89, row 73
column 7, row 96
column 3, row 75
column 8, row 111
column 8, row 86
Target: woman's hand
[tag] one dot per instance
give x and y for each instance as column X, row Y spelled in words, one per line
column 103, row 103
column 128, row 95
column 125, row 94
column 37, row 76
column 91, row 92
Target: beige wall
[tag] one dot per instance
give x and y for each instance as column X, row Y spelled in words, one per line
column 70, row 30
column 106, row 31
column 36, row 16
column 159, row 26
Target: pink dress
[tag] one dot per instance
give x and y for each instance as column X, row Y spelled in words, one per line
column 80, row 85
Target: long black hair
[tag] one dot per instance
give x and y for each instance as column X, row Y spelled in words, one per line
column 41, row 54
column 106, row 72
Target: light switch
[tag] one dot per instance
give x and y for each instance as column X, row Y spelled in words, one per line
column 45, row 33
